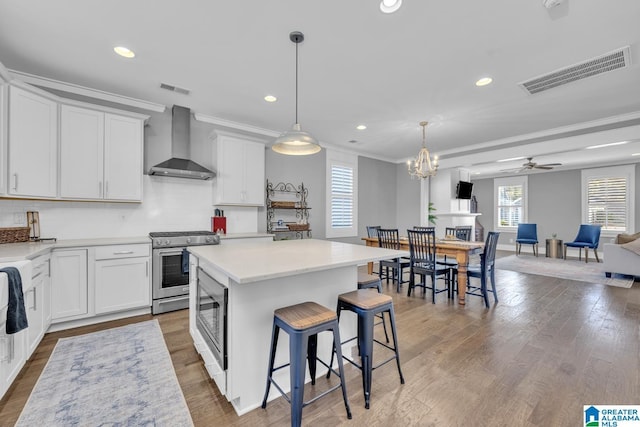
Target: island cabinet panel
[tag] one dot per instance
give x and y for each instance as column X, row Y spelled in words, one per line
column 69, row 297
column 32, row 144
column 240, row 171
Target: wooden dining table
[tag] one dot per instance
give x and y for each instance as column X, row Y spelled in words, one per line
column 458, row 249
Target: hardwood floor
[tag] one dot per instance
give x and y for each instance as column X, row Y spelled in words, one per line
column 546, row 349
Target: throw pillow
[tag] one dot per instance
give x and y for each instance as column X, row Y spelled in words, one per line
column 626, row 238
column 633, row 246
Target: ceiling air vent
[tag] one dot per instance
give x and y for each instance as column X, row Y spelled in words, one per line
column 173, row 88
column 603, row 64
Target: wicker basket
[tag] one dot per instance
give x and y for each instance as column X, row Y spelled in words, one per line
column 298, row 227
column 282, row 204
column 14, row 234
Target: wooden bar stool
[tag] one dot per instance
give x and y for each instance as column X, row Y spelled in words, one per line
column 366, row 304
column 303, row 322
column 369, row 281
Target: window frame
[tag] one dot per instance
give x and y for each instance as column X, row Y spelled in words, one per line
column 522, row 180
column 624, row 171
column 347, row 160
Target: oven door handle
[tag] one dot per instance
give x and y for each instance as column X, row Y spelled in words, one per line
column 169, row 251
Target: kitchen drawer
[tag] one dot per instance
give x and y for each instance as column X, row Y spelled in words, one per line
column 122, row 251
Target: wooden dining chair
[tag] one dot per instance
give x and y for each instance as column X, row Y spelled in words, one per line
column 424, row 228
column 422, row 250
column 389, row 238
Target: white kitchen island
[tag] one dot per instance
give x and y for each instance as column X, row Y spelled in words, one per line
column 262, row 277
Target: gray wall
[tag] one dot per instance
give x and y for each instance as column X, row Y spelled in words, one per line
column 309, row 170
column 407, row 200
column 555, row 204
column 376, row 194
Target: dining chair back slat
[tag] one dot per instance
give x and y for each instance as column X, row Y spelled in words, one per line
column 389, row 238
column 422, row 250
column 372, row 231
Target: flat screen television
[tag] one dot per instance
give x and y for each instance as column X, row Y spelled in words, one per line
column 463, row 190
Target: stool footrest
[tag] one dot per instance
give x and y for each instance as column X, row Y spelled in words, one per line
column 314, row 398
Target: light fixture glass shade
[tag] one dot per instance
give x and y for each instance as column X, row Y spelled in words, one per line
column 296, row 142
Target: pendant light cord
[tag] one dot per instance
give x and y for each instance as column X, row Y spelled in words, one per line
column 297, row 82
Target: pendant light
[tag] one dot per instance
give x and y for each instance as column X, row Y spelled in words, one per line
column 296, row 142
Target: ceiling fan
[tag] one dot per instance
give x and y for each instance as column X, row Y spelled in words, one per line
column 530, row 165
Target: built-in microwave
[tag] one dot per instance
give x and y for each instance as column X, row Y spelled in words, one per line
column 211, row 315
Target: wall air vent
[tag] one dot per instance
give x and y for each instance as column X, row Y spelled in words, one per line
column 173, row 88
column 603, row 64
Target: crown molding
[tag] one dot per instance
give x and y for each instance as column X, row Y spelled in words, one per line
column 88, row 92
column 235, row 125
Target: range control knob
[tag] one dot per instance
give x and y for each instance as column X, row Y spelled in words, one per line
column 208, row 239
column 188, row 239
column 167, row 242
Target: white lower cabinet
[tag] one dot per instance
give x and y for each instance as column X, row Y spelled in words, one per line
column 100, row 280
column 122, row 283
column 13, row 353
column 37, row 302
column 69, row 284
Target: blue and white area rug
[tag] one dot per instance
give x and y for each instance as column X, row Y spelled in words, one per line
column 117, row 377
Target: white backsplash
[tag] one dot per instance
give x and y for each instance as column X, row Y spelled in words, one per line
column 170, row 204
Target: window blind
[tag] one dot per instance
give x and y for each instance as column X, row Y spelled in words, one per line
column 607, row 202
column 510, row 205
column 341, row 197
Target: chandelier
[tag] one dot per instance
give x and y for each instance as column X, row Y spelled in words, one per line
column 422, row 166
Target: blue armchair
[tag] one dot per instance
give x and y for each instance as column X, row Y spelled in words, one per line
column 588, row 237
column 528, row 235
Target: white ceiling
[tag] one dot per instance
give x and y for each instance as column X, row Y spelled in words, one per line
column 357, row 66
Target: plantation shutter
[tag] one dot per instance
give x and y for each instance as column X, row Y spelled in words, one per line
column 510, row 204
column 341, row 197
column 607, row 202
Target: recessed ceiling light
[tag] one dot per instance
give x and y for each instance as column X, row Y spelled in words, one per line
column 611, row 144
column 484, row 81
column 124, row 51
column 390, row 6
column 270, row 98
column 361, row 127
column 508, row 160
column 636, row 154
column 352, row 141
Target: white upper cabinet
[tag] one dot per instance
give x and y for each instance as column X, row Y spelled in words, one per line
column 240, row 172
column 123, row 145
column 81, row 153
column 32, row 144
column 100, row 155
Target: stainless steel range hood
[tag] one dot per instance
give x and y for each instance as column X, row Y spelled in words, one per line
column 179, row 165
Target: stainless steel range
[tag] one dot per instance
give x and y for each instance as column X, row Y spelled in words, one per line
column 170, row 281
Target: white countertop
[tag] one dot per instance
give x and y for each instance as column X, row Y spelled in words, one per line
column 244, row 235
column 263, row 260
column 29, row 250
